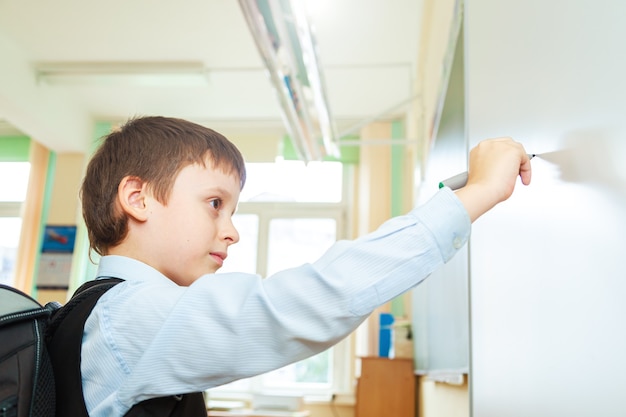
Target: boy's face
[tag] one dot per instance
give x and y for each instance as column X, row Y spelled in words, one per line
column 190, row 235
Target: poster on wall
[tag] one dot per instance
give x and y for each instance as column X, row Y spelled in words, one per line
column 55, row 261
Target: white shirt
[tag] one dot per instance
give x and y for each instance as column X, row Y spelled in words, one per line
column 148, row 337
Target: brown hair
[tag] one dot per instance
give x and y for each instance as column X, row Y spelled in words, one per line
column 153, row 149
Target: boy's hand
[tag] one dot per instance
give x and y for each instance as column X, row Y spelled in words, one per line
column 494, row 166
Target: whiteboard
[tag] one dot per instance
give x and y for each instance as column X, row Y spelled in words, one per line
column 547, row 273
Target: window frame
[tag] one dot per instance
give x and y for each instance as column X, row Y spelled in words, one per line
column 13, row 209
column 10, row 208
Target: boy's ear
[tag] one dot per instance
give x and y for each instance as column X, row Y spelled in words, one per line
column 131, row 195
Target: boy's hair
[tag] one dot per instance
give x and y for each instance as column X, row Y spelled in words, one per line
column 154, row 149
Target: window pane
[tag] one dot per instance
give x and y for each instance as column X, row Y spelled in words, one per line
column 242, row 255
column 295, row 181
column 9, row 239
column 293, row 242
column 13, row 180
column 315, row 371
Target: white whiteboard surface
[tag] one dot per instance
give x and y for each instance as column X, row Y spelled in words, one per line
column 548, row 267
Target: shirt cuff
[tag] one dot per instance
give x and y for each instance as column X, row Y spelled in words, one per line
column 445, row 216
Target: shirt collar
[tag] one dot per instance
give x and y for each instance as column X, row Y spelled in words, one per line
column 129, row 269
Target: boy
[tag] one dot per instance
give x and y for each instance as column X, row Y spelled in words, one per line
column 158, row 197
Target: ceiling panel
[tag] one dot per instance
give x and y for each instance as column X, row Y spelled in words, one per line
column 367, row 50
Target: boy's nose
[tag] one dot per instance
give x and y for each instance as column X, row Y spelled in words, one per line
column 230, row 232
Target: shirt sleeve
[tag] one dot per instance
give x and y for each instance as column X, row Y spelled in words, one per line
column 229, row 326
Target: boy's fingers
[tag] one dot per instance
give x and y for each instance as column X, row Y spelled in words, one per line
column 525, row 170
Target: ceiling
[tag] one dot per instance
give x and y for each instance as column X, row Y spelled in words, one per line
column 68, row 63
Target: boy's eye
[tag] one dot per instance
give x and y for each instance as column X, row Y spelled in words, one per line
column 216, row 204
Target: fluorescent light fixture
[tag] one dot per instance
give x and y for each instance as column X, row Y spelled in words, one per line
column 103, row 73
column 286, row 43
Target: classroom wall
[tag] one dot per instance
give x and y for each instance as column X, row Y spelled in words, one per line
column 440, row 303
column 64, row 203
column 547, row 278
column 63, row 206
column 31, row 213
column 439, row 26
column 440, row 118
column 439, row 399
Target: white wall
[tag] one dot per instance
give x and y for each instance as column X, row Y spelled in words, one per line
column 548, row 267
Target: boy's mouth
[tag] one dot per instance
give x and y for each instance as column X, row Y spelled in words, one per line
column 219, row 257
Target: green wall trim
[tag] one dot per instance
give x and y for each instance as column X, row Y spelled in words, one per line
column 397, row 188
column 47, row 196
column 397, row 169
column 348, row 154
column 287, row 150
column 14, row 148
column 101, row 129
column 83, row 269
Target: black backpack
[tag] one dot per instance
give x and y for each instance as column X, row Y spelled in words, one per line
column 40, row 358
column 26, row 379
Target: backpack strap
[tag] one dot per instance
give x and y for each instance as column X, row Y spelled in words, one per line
column 187, row 405
column 64, row 340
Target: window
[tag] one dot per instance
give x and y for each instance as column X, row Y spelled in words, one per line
column 315, row 182
column 13, row 185
column 290, row 213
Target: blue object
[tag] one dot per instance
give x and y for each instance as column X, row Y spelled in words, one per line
column 385, row 335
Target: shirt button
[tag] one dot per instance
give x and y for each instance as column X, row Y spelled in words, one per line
column 457, row 242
